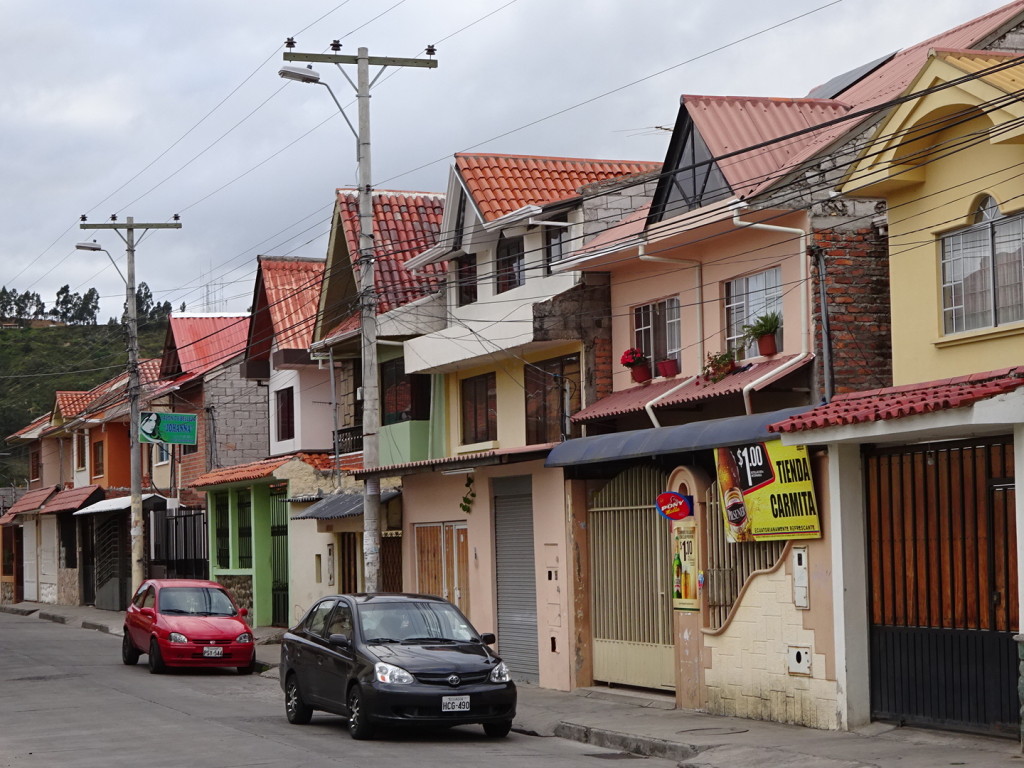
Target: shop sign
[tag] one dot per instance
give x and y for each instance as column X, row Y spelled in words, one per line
column 767, row 492
column 679, row 508
column 171, row 428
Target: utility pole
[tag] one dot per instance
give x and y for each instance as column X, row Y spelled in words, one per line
column 136, row 534
column 367, row 286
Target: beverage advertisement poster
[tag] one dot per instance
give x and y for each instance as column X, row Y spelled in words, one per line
column 679, row 510
column 766, row 492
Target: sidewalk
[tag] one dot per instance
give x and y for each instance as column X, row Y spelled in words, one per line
column 647, row 724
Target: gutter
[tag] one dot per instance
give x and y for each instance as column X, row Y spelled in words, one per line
column 805, row 305
column 513, row 218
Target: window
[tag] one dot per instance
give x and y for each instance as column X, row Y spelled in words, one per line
column 97, row 458
column 35, row 464
column 656, row 330
column 222, row 529
column 316, row 620
column 405, row 397
column 465, row 277
column 479, row 409
column 244, row 503
column 694, row 179
column 746, row 298
column 556, row 241
column 552, row 396
column 983, row 272
column 161, row 453
column 510, row 266
column 80, row 449
column 285, row 399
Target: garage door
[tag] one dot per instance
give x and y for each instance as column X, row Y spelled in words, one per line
column 516, row 577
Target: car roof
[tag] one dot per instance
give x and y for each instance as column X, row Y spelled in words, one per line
column 161, row 583
column 391, row 597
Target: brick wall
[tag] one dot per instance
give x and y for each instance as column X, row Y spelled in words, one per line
column 856, row 279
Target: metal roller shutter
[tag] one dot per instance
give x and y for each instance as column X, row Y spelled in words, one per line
column 517, row 583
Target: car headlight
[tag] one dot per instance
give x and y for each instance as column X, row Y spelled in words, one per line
column 389, row 673
column 245, row 637
column 177, row 637
column 500, row 674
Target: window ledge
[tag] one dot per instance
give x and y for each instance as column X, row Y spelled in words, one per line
column 487, row 445
column 982, row 334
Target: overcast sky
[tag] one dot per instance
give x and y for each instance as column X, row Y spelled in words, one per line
column 148, row 109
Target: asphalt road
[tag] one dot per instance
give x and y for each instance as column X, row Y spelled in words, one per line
column 67, row 700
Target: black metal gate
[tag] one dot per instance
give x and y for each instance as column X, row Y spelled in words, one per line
column 180, row 549
column 943, row 580
column 113, row 561
column 279, row 557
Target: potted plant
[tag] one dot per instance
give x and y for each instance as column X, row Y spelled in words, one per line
column 668, row 367
column 718, row 365
column 639, row 367
column 764, row 330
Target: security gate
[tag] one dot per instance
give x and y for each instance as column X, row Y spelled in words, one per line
column 180, row 543
column 943, row 579
column 279, row 558
column 516, row 577
column 632, row 582
column 113, row 561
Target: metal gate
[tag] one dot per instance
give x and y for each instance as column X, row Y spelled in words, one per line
column 631, row 582
column 279, row 557
column 180, row 543
column 516, row 577
column 113, row 555
column 943, row 580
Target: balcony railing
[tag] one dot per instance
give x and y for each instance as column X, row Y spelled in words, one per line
column 349, row 440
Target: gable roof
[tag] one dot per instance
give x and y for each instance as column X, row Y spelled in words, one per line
column 501, row 184
column 33, row 429
column 70, row 404
column 264, row 468
column 71, row 499
column 286, row 290
column 197, row 343
column 31, row 501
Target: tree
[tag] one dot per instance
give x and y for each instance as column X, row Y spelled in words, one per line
column 88, row 307
column 143, row 301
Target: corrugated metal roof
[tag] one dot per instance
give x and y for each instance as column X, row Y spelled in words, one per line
column 292, row 290
column 32, row 430
column 32, row 500
column 1009, row 80
column 501, row 184
column 198, row 343
column 907, row 400
column 634, row 399
column 404, row 225
column 342, row 504
column 462, row 460
column 74, row 498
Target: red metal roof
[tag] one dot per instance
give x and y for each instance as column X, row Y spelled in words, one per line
column 404, row 225
column 74, row 498
column 37, row 423
column 32, row 500
column 634, row 399
column 907, row 400
column 501, row 184
column 257, row 470
column 292, row 290
column 198, row 343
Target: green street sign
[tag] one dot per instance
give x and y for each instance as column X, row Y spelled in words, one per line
column 170, row 428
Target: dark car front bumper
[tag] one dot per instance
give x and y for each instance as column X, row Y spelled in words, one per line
column 420, row 703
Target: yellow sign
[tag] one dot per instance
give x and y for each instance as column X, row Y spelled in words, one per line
column 767, row 492
column 684, row 564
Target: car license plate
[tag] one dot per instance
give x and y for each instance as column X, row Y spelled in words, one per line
column 213, row 651
column 455, row 703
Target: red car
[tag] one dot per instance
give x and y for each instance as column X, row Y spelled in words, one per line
column 187, row 623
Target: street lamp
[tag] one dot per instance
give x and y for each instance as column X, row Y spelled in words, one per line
column 367, row 287
column 136, row 530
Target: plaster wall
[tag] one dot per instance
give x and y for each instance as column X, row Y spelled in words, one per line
column 919, row 215
column 312, row 399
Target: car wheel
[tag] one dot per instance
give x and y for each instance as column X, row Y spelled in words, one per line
column 129, row 653
column 358, row 725
column 156, row 661
column 249, row 668
column 498, row 730
column 298, row 712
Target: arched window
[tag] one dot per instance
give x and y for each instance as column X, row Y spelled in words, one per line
column 983, row 271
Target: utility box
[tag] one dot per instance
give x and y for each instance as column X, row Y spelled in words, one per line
column 801, row 590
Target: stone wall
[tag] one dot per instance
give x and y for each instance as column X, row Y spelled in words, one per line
column 606, row 203
column 68, row 592
column 240, row 587
column 6, row 592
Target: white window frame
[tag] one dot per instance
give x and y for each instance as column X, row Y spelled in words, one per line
column 746, row 299
column 654, row 322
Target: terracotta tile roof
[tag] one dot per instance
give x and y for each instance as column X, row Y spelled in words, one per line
column 634, row 399
column 461, row 459
column 404, row 225
column 70, row 404
column 890, row 80
column 908, row 400
column 74, row 498
column 32, row 500
column 197, row 343
column 350, row 326
column 501, row 184
column 292, row 292
column 110, row 399
column 257, row 470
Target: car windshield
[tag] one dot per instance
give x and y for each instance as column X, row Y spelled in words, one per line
column 195, row 601
column 414, row 622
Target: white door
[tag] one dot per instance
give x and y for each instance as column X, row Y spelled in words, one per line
column 30, row 574
column 48, row 559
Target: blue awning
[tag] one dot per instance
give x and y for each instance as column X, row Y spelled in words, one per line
column 656, row 441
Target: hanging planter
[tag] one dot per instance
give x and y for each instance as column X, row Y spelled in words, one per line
column 640, row 372
column 668, row 368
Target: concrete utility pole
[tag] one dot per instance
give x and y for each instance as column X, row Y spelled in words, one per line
column 134, row 384
column 367, row 287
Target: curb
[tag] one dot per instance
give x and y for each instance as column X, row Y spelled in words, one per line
column 636, row 745
column 17, row 610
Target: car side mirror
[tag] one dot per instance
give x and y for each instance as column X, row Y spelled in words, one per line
column 147, row 611
column 488, row 638
column 339, row 639
column 243, row 612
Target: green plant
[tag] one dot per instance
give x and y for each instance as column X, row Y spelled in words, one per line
column 767, row 324
column 466, row 505
column 717, row 365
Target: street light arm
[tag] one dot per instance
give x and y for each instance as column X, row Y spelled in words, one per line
column 95, row 247
column 341, row 109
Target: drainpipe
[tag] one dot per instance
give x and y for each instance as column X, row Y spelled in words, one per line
column 805, row 304
column 826, row 330
column 699, row 271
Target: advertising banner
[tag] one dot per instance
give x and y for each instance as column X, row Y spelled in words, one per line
column 766, row 492
column 679, row 509
column 170, row 428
